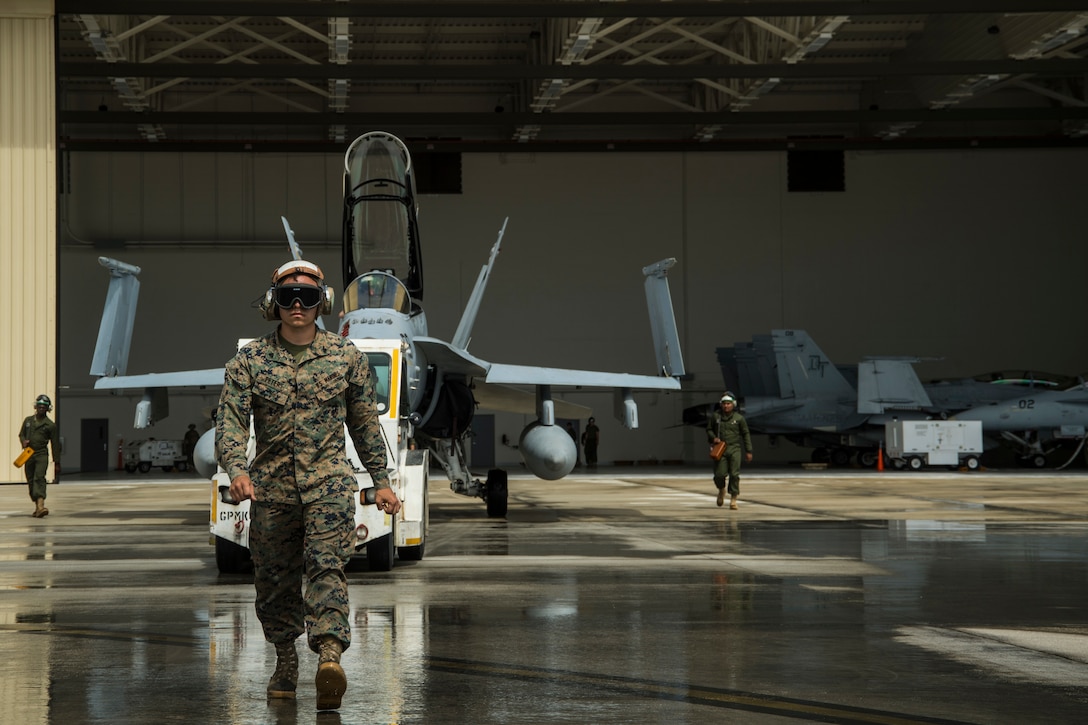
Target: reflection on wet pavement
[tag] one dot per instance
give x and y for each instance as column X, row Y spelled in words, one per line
column 602, row 600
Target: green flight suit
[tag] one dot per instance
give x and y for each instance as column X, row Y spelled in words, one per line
column 41, row 434
column 733, row 429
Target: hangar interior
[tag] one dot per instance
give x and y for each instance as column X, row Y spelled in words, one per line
column 895, row 184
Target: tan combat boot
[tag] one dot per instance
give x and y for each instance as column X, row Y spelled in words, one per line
column 285, row 678
column 331, row 681
column 39, row 508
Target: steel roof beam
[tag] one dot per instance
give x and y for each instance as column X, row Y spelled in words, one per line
column 973, row 143
column 372, row 72
column 572, row 9
column 252, row 118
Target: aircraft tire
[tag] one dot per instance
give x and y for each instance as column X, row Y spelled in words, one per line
column 840, row 457
column 231, row 558
column 867, row 457
column 379, row 553
column 497, row 493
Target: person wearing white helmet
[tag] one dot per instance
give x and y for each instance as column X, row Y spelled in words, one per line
column 726, row 424
column 40, row 433
column 302, row 385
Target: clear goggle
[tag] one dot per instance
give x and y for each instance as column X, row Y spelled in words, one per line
column 306, row 295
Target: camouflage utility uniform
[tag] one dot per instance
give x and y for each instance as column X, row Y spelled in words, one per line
column 41, row 435
column 733, row 429
column 303, row 510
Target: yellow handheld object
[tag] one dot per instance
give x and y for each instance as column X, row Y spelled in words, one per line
column 23, row 457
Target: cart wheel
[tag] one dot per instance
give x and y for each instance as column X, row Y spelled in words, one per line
column 971, row 463
column 915, row 463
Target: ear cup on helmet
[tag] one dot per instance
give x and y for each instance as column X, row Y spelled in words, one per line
column 268, row 305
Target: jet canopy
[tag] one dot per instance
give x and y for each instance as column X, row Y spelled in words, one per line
column 380, row 227
column 377, row 291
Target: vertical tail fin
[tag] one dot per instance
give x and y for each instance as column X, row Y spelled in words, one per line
column 670, row 360
column 118, row 316
column 885, row 384
column 805, row 371
column 463, row 334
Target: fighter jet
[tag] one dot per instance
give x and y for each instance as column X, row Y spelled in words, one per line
column 383, row 275
column 1035, row 422
column 789, row 387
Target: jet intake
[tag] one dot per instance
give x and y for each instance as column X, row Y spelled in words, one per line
column 548, row 451
column 452, row 415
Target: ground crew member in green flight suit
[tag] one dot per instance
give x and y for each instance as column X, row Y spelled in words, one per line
column 302, row 385
column 41, row 434
column 730, row 426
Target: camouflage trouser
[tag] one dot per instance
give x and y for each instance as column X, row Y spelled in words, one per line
column 729, row 468
column 35, row 469
column 289, row 541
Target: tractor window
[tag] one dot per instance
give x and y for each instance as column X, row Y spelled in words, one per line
column 379, row 368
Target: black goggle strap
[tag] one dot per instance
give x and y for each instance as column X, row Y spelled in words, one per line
column 308, row 296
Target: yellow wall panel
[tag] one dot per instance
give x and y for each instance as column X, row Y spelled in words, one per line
column 28, row 249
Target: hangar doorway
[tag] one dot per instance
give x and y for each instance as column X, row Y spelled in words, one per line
column 94, row 445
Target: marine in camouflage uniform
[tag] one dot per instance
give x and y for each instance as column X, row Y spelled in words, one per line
column 41, row 434
column 730, row 426
column 303, row 486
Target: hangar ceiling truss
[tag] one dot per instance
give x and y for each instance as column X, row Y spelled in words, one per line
column 713, row 75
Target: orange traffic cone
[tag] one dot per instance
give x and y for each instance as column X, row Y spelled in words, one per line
column 880, row 457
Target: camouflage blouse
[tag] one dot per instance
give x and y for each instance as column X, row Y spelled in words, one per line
column 299, row 411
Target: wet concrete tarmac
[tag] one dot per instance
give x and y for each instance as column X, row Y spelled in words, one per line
column 623, row 596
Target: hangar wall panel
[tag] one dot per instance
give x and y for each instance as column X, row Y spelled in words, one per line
column 28, row 259
column 974, row 259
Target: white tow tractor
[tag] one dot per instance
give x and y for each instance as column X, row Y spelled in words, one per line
column 381, row 536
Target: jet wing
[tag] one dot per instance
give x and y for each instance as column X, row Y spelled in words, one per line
column 450, row 358
column 533, row 375
column 492, row 382
column 515, row 400
column 184, row 378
